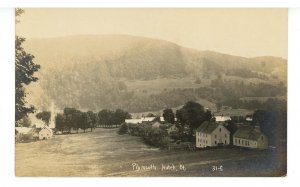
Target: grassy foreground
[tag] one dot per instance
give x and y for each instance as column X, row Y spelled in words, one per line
column 105, row 153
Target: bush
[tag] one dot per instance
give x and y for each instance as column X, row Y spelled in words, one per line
column 123, row 129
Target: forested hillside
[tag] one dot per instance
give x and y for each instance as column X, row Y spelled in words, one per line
column 141, row 74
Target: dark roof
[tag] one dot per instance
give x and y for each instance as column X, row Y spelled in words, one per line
column 248, row 132
column 207, row 127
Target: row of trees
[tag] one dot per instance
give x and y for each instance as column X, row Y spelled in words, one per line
column 72, row 118
column 110, row 117
column 76, row 119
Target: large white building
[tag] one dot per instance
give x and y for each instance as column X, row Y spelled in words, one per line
column 222, row 119
column 250, row 136
column 210, row 134
column 133, row 121
column 139, row 120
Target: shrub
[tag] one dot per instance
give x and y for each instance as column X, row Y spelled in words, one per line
column 123, row 129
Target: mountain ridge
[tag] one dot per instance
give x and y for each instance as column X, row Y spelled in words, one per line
column 87, row 70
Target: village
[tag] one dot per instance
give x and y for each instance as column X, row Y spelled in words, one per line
column 164, row 131
column 113, row 141
column 213, row 133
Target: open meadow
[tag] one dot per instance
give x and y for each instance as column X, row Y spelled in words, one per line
column 105, row 153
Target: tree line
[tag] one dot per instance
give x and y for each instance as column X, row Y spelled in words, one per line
column 72, row 118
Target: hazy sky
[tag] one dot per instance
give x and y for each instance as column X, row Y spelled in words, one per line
column 244, row 32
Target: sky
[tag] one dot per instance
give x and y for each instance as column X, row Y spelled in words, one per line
column 241, row 32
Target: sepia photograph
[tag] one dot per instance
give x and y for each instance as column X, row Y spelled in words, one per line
column 151, row 92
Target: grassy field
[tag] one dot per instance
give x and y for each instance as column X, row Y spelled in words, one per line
column 105, row 153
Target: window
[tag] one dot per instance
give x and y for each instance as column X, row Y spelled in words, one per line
column 225, row 135
column 242, row 142
column 239, row 141
column 206, row 141
column 215, row 142
column 225, row 142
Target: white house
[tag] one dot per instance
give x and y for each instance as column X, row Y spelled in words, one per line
column 250, row 136
column 210, row 134
column 133, row 121
column 45, row 133
column 222, row 119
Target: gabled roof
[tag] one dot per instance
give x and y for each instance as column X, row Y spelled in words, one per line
column 222, row 118
column 248, row 132
column 207, row 127
column 48, row 128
